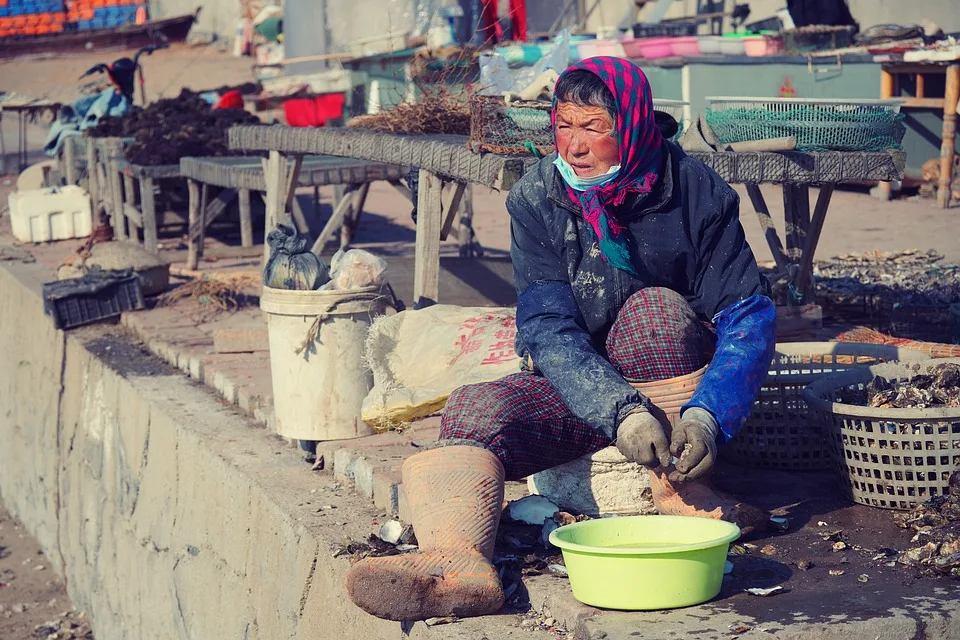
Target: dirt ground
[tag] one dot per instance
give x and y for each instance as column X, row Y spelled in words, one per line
column 33, row 598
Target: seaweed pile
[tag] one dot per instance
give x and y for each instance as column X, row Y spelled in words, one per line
column 174, row 128
column 936, row 549
column 939, row 388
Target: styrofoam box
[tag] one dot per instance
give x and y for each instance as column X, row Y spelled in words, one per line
column 58, row 213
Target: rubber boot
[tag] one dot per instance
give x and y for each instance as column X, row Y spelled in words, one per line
column 455, row 495
column 696, row 498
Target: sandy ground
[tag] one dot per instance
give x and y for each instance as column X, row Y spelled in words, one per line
column 33, row 598
column 165, row 72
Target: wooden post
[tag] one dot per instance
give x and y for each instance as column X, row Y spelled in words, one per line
column 951, row 96
column 246, row 219
column 426, row 275
column 148, row 213
column 888, row 89
column 195, row 211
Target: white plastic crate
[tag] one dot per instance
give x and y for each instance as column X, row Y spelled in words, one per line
column 58, row 213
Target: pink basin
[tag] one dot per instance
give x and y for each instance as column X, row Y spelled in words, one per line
column 685, row 46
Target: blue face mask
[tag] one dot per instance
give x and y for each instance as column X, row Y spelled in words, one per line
column 580, row 183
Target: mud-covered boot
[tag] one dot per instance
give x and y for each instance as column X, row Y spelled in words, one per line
column 696, row 498
column 455, row 494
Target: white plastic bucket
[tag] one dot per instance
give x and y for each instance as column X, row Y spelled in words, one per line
column 316, row 359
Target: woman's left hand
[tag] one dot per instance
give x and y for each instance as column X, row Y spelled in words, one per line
column 694, row 443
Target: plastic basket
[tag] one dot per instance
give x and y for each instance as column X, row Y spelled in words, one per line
column 818, row 38
column 818, row 125
column 664, row 29
column 780, row 432
column 99, row 295
column 888, row 458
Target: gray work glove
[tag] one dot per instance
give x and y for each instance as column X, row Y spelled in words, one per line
column 694, row 443
column 641, row 439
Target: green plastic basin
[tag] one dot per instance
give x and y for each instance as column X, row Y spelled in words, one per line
column 645, row 562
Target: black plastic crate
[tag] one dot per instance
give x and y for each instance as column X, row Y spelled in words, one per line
column 664, row 29
column 97, row 296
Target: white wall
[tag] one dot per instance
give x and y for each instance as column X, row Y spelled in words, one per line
column 946, row 13
column 217, row 17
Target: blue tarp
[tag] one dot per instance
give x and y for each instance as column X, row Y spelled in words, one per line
column 82, row 115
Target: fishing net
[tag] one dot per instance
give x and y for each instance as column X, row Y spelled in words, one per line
column 829, row 127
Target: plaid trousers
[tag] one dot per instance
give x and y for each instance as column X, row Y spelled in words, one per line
column 523, row 420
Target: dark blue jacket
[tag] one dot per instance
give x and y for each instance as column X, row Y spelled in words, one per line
column 686, row 236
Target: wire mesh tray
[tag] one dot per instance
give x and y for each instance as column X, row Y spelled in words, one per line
column 818, row 125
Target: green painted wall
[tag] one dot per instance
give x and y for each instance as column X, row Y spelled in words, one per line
column 825, row 80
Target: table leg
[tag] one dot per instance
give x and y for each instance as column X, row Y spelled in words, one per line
column 341, row 209
column 92, row 186
column 21, row 142
column 275, row 175
column 769, row 229
column 69, row 161
column 791, row 230
column 195, row 213
column 129, row 198
column 246, row 219
column 3, row 148
column 804, row 282
column 149, row 215
column 116, row 188
column 426, row 277
column 352, row 220
column 888, row 89
column 950, row 98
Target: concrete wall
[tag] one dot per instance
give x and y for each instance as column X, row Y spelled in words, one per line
column 169, row 515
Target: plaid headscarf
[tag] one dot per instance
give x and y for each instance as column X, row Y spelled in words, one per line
column 641, row 154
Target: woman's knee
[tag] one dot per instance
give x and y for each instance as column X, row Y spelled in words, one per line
column 473, row 412
column 657, row 335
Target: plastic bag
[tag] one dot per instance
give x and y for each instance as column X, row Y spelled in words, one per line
column 355, row 269
column 291, row 264
column 496, row 78
column 419, row 357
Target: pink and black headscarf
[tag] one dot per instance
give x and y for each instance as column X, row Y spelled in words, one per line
column 641, row 154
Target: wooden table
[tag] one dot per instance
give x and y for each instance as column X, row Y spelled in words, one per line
column 796, row 172
column 24, row 110
column 890, row 88
column 127, row 181
column 239, row 176
column 443, row 161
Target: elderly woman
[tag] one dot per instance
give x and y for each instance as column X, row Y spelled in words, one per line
column 631, row 267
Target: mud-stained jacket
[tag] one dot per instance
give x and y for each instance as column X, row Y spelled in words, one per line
column 686, row 236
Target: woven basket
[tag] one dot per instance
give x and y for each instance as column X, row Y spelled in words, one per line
column 888, row 458
column 497, row 127
column 780, row 432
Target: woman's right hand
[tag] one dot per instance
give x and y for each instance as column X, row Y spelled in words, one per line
column 641, row 439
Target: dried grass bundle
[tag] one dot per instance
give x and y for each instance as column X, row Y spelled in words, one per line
column 207, row 291
column 440, row 113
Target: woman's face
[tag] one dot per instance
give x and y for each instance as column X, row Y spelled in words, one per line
column 586, row 139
